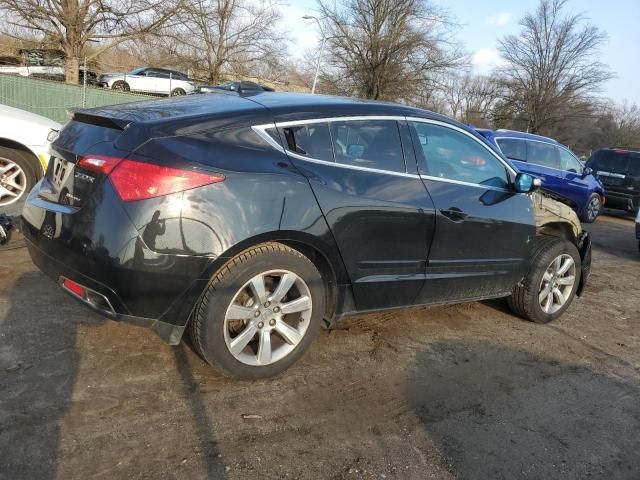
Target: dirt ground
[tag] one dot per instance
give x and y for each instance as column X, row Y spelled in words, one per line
column 466, row 391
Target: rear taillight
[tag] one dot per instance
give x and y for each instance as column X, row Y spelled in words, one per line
column 99, row 163
column 138, row 180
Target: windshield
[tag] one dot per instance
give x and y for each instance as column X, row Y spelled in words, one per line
column 136, row 71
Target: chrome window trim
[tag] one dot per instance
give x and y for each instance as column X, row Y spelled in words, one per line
column 547, row 143
column 352, row 118
column 261, row 131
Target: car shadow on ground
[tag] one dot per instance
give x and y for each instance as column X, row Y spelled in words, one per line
column 498, row 412
column 38, row 374
column 199, row 416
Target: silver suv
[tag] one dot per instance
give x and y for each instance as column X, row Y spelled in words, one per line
column 149, row 80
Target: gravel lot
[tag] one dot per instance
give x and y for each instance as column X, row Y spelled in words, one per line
column 465, row 391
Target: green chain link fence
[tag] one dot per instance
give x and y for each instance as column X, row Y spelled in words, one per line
column 52, row 99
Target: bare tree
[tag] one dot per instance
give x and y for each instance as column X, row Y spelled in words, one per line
column 386, row 49
column 221, row 37
column 551, row 66
column 620, row 125
column 72, row 24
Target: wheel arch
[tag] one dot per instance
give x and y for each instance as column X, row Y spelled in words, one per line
column 12, row 144
column 325, row 257
column 558, row 229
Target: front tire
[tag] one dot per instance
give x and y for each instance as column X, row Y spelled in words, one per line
column 19, row 172
column 260, row 312
column 593, row 209
column 177, row 92
column 551, row 282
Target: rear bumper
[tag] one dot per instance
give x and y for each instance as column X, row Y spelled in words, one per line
column 584, row 247
column 99, row 248
column 622, row 201
column 113, row 308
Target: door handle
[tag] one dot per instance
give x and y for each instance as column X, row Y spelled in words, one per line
column 454, row 214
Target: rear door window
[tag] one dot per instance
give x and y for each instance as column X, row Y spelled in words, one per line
column 310, row 140
column 513, row 148
column 543, row 154
column 368, row 143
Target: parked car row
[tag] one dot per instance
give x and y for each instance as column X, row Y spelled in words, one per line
column 561, row 172
column 171, row 82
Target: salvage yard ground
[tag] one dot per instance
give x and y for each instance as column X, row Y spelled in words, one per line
column 465, row 391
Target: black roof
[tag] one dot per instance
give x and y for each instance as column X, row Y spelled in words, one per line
column 281, row 106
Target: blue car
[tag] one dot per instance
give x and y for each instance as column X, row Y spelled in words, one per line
column 562, row 174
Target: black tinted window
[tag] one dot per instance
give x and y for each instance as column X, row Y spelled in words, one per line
column 513, row 148
column 448, row 153
column 312, row 140
column 368, row 143
column 615, row 161
column 543, row 154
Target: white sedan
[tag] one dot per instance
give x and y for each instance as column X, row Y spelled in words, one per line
column 23, row 152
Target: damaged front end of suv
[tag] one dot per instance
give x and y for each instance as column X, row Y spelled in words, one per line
column 554, row 218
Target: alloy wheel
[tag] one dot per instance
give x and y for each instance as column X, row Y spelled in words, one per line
column 557, row 283
column 268, row 317
column 13, row 182
column 593, row 209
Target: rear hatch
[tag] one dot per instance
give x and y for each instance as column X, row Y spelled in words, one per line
column 68, row 183
column 114, row 132
column 619, row 170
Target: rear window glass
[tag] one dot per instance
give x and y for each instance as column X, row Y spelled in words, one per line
column 513, row 148
column 616, row 161
column 543, row 154
column 312, row 140
column 368, row 143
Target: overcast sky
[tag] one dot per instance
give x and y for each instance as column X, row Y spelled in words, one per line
column 482, row 23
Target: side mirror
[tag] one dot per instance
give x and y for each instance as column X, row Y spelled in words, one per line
column 525, row 183
column 586, row 171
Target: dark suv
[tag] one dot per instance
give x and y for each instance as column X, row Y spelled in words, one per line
column 254, row 220
column 619, row 171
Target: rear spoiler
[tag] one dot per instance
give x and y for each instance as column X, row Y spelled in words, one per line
column 114, row 123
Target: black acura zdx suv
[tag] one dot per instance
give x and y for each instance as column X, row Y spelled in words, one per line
column 252, row 221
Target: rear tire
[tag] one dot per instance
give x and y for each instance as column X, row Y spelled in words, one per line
column 245, row 325
column 593, row 209
column 538, row 296
column 19, row 172
column 121, row 85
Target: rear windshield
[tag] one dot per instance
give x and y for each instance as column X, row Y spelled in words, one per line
column 616, row 161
